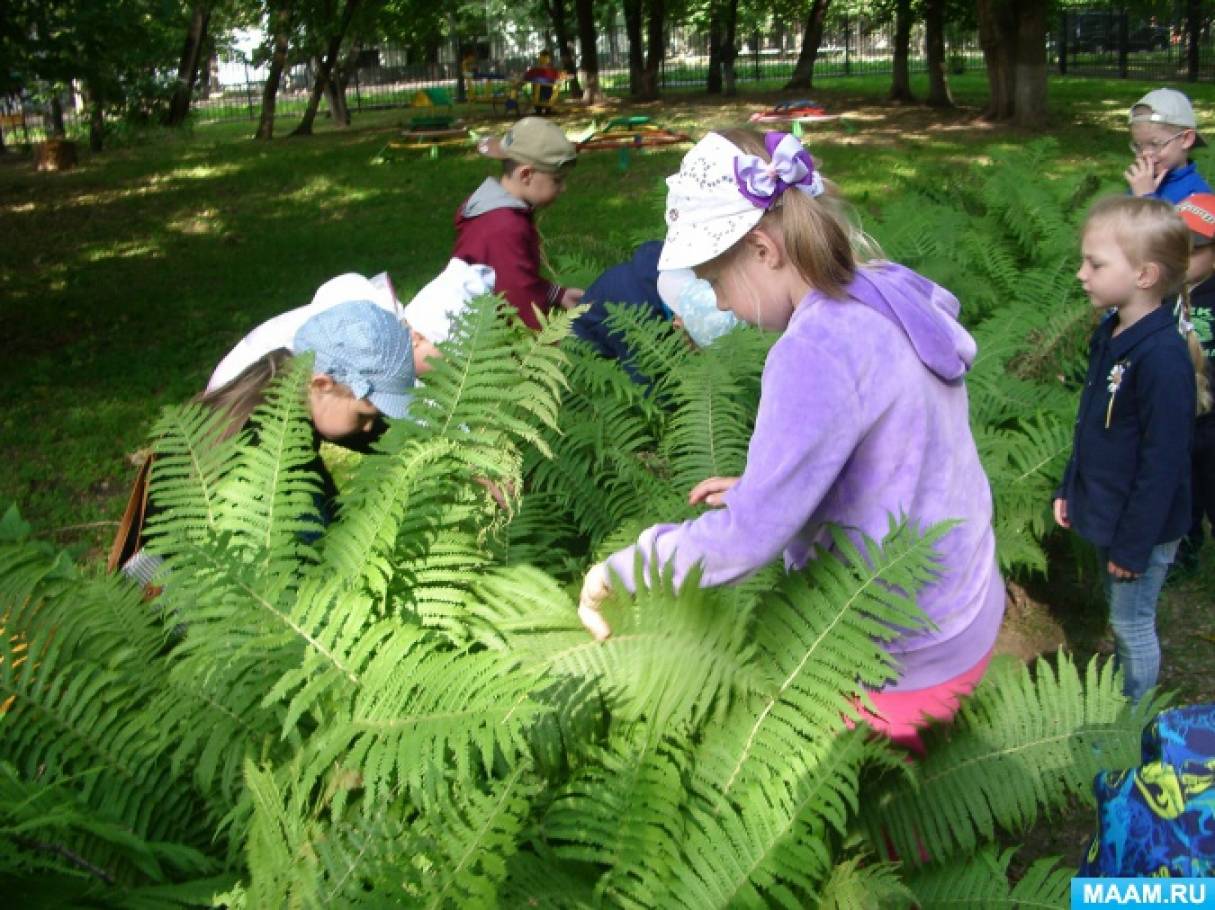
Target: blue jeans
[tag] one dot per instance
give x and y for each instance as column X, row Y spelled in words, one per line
column 1133, row 616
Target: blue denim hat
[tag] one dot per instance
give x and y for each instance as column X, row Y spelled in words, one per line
column 364, row 347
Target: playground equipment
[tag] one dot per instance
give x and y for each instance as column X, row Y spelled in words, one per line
column 432, row 131
column 432, row 97
column 629, row 132
column 487, row 88
column 802, row 110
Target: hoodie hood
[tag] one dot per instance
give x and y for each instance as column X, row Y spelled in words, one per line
column 489, row 196
column 925, row 312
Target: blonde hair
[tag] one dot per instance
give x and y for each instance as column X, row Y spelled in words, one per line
column 1197, row 356
column 1150, row 231
column 240, row 397
column 819, row 234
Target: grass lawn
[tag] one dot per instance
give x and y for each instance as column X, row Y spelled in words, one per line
column 124, row 281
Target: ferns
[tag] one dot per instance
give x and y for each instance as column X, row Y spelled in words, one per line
column 1021, row 743
column 407, row 711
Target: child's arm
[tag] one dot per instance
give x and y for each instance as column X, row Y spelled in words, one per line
column 801, row 443
column 515, row 257
column 1164, row 393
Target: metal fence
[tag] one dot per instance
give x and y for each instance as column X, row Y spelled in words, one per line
column 1108, row 41
column 1103, row 41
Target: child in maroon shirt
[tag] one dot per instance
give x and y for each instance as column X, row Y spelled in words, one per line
column 494, row 225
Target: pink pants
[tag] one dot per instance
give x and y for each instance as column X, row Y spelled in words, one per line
column 901, row 715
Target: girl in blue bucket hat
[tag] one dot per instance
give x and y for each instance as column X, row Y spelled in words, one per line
column 363, row 371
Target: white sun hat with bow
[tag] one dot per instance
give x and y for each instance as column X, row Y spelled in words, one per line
column 720, row 193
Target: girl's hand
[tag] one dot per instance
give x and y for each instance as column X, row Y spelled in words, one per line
column 571, row 298
column 1060, row 509
column 595, row 590
column 710, row 491
column 1120, row 573
column 1142, row 178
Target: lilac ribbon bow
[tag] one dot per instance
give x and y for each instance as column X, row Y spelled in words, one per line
column 762, row 182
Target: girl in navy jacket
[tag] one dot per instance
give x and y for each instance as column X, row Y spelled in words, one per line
column 1126, row 489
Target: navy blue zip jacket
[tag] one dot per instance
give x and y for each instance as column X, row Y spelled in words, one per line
column 1127, row 485
column 634, row 283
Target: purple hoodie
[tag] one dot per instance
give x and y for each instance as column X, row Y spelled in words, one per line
column 863, row 415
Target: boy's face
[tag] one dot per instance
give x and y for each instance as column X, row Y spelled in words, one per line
column 539, row 188
column 1166, row 146
column 1202, row 264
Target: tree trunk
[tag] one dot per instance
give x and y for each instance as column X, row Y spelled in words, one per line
column 655, row 50
column 632, row 28
column 812, row 37
column 729, row 49
column 58, row 127
column 325, row 69
column 335, row 89
column 1013, row 36
column 96, row 117
column 934, row 38
column 997, row 31
column 900, row 80
column 280, row 23
column 557, row 10
column 1029, row 91
column 187, row 67
column 588, row 52
column 1193, row 24
column 713, row 80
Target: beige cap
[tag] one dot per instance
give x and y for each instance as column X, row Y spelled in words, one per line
column 534, row 141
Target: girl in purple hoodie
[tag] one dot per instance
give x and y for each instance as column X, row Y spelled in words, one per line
column 863, row 413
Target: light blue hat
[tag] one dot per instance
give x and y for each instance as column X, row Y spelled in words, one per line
column 693, row 301
column 364, row 347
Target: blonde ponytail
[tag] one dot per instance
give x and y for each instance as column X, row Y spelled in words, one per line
column 1197, row 356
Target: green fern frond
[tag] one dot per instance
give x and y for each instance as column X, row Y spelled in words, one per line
column 1022, row 744
column 472, row 838
column 859, row 883
column 68, row 717
column 536, row 878
column 817, row 642
column 654, row 630
column 659, row 350
column 716, row 396
column 186, row 476
column 425, row 713
column 268, row 495
column 770, row 846
column 623, row 812
column 981, row 882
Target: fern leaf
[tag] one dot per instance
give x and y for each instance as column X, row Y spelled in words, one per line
column 981, row 882
column 1022, row 744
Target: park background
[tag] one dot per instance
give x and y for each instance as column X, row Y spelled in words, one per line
column 125, row 278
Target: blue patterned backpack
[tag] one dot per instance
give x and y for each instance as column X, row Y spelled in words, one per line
column 1159, row 819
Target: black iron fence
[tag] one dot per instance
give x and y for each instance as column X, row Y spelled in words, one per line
column 1112, row 42
column 1103, row 41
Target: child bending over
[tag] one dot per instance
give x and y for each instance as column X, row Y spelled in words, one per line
column 862, row 415
column 362, row 372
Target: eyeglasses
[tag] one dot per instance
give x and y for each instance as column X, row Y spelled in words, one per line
column 1156, row 146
